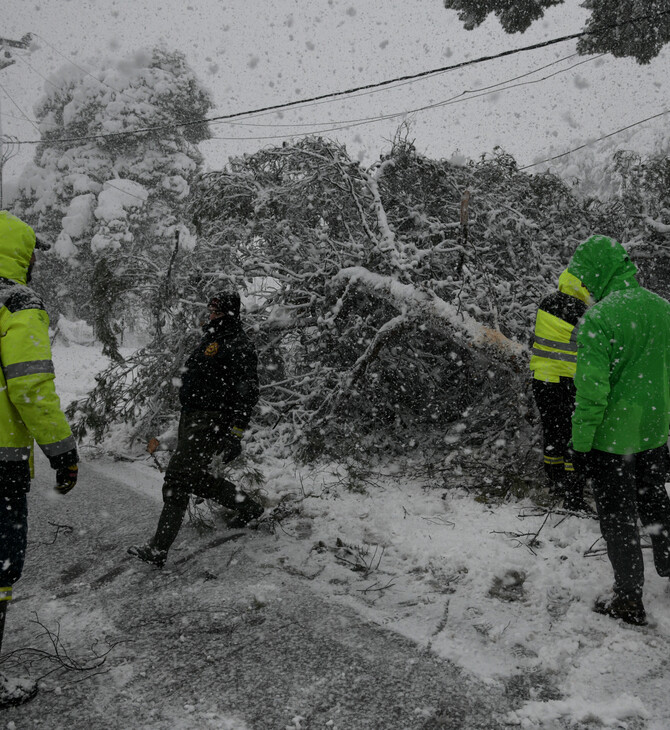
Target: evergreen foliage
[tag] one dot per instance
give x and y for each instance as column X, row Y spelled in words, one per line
column 643, row 202
column 609, row 26
column 112, row 204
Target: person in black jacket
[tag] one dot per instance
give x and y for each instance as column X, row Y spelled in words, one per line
column 219, row 389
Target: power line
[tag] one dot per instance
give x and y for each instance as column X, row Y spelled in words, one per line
column 593, row 141
column 457, row 99
column 23, row 114
column 347, row 92
column 76, row 65
column 7, row 115
column 357, row 121
column 287, row 105
column 462, row 93
column 465, row 95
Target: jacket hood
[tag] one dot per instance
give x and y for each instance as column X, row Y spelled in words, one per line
column 222, row 325
column 572, row 286
column 17, row 243
column 603, row 266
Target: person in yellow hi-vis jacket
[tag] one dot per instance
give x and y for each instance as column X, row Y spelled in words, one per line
column 29, row 411
column 553, row 364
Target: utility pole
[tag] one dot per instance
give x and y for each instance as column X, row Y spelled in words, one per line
column 5, row 61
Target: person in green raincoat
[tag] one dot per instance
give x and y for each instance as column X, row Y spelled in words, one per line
column 622, row 416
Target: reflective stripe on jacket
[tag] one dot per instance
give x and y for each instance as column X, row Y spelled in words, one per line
column 29, row 406
column 554, row 354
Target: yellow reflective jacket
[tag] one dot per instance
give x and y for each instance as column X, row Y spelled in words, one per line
column 554, row 354
column 29, row 406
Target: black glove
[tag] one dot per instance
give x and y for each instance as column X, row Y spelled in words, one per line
column 237, row 432
column 581, row 462
column 66, row 470
column 66, row 478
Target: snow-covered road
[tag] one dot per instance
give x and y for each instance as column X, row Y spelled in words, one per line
column 223, row 638
column 415, row 564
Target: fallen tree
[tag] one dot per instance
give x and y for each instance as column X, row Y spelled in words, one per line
column 387, row 321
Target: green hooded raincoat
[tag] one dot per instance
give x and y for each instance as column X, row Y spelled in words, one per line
column 623, row 356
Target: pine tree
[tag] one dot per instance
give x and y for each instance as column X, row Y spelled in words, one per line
column 109, row 197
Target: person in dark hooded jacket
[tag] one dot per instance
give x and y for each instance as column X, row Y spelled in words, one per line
column 622, row 417
column 219, row 389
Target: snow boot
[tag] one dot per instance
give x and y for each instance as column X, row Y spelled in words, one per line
column 629, row 610
column 248, row 512
column 149, row 554
column 15, row 691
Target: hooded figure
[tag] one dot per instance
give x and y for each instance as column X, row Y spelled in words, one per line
column 219, row 389
column 553, row 364
column 29, row 411
column 622, row 416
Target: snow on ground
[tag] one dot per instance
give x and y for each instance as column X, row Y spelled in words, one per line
column 503, row 590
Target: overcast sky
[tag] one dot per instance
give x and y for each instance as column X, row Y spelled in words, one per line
column 252, row 53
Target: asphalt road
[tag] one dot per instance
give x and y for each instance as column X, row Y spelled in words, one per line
column 222, row 639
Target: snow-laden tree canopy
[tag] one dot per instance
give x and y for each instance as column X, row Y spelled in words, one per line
column 637, row 28
column 108, row 195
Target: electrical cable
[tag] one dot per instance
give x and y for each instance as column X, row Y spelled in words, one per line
column 348, row 92
column 7, row 115
column 457, row 99
column 461, row 97
column 593, row 141
column 462, row 93
column 23, row 114
column 316, row 124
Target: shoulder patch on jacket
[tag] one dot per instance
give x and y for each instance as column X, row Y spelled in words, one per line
column 23, row 297
column 211, row 349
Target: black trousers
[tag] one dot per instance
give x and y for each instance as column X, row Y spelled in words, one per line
column 625, row 488
column 13, row 537
column 556, row 402
column 202, row 436
column 14, row 485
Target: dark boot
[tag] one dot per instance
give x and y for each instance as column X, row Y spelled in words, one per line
column 247, row 511
column 228, row 495
column 13, row 691
column 148, row 554
column 630, row 610
column 155, row 551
